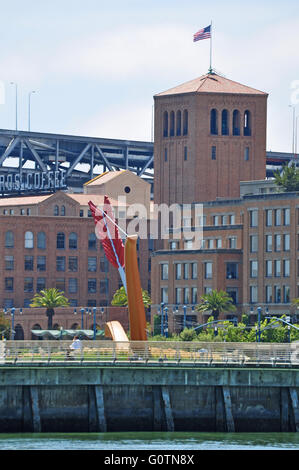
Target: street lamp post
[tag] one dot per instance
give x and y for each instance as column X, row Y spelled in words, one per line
column 94, row 323
column 29, row 107
column 16, row 102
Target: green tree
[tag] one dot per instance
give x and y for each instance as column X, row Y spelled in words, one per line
column 120, row 298
column 50, row 299
column 288, row 179
column 216, row 302
column 4, row 326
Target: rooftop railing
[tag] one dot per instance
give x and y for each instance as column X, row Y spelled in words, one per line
column 158, row 353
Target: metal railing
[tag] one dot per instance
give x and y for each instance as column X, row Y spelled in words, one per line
column 149, row 352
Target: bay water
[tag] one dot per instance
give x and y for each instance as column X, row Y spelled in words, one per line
column 160, row 441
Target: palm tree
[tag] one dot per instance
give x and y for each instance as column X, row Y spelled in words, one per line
column 120, row 298
column 49, row 298
column 216, row 302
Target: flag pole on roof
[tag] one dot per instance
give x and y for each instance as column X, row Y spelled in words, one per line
column 205, row 33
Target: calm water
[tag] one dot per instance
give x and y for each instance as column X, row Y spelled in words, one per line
column 151, row 441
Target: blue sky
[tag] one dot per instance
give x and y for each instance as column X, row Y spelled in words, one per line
column 96, row 64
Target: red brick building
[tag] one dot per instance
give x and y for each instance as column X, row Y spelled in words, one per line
column 50, row 241
column 210, row 135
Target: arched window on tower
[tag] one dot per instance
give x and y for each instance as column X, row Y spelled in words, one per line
column 171, row 130
column 214, row 122
column 247, row 123
column 165, row 124
column 185, row 122
column 224, row 123
column 236, row 122
column 178, row 123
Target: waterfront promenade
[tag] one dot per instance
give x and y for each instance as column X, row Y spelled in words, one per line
column 149, row 386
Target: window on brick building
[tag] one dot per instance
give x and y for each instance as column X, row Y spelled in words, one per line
column 268, row 217
column 62, row 212
column 224, row 122
column 185, row 153
column 268, row 268
column 247, row 123
column 9, row 263
column 277, row 242
column 28, row 240
column 164, row 295
column 246, row 154
column 92, row 285
column 277, row 217
column 56, row 210
column 92, row 241
column 253, row 243
column 171, row 128
column 165, row 124
column 40, row 284
column 213, row 152
column 286, row 267
column 60, row 284
column 268, row 243
column 41, row 240
column 269, row 294
column 178, row 123
column 193, row 270
column 178, row 295
column 9, row 284
column 41, row 263
column 178, row 271
column 186, row 295
column 60, row 263
column 164, row 271
column 73, row 241
column 185, row 122
column 236, row 122
column 286, row 242
column 60, row 241
column 254, row 268
column 253, row 218
column 28, row 263
column 208, row 270
column 73, row 285
column 9, row 239
column 231, row 270
column 286, row 294
column 277, row 268
column 286, row 216
column 28, row 284
column 92, row 264
column 253, row 290
column 194, row 295
column 73, row 263
column 186, row 270
column 277, row 294
column 214, row 122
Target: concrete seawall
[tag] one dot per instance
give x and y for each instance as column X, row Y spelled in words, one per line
column 143, row 398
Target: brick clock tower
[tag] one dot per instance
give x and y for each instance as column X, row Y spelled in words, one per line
column 210, row 134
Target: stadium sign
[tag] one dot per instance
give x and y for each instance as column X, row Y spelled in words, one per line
column 32, row 181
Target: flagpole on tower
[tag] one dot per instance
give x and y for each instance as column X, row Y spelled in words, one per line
column 210, row 69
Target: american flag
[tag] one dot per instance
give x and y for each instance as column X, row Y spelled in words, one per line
column 204, row 33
